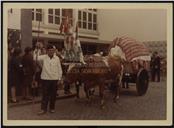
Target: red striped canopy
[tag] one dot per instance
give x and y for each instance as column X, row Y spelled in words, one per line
column 131, row 47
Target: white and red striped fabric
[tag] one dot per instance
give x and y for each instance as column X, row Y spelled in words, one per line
column 131, row 47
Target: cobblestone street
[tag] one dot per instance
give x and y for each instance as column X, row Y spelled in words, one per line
column 151, row 106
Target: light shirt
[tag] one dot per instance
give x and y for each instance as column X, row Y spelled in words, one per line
column 51, row 68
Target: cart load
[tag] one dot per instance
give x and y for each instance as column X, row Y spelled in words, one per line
column 137, row 62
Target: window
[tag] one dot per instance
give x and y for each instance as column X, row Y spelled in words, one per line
column 90, row 21
column 69, row 13
column 54, row 16
column 37, row 14
column 50, row 16
column 87, row 19
column 50, row 11
column 84, row 20
column 79, row 19
column 94, row 22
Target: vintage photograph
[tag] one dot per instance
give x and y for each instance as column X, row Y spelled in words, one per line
column 87, row 63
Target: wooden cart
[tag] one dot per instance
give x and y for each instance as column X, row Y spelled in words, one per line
column 137, row 72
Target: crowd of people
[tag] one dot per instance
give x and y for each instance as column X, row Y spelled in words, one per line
column 25, row 72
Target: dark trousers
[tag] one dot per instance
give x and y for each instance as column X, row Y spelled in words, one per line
column 49, row 90
column 156, row 72
column 66, row 86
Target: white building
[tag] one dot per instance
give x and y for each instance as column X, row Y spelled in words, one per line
column 98, row 27
column 50, row 20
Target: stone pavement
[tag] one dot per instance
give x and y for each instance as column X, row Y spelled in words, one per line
column 150, row 107
column 37, row 99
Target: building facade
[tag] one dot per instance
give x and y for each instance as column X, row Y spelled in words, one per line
column 46, row 24
column 97, row 27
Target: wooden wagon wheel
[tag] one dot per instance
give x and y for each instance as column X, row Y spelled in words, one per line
column 142, row 81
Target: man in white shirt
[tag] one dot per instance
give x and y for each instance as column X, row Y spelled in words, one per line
column 50, row 75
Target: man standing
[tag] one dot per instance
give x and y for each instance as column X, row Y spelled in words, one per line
column 50, row 75
column 156, row 65
column 29, row 69
column 152, row 66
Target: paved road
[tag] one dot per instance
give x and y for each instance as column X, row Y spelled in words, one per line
column 151, row 106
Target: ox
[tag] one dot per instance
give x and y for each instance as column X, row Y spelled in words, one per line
column 95, row 72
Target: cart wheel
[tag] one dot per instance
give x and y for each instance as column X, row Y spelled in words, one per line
column 142, row 82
